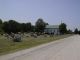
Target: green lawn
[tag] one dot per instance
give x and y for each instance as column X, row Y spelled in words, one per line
column 8, row 46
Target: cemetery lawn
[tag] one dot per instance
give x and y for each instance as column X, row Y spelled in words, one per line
column 8, row 46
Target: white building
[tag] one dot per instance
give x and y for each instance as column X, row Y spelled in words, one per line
column 52, row 29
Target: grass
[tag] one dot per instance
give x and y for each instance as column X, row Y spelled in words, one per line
column 8, row 46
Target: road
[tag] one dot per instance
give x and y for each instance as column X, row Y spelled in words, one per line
column 63, row 49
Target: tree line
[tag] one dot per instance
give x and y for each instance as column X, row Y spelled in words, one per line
column 14, row 26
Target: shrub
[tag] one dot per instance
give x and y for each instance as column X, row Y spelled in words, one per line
column 17, row 38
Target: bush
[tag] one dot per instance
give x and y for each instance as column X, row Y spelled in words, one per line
column 17, row 38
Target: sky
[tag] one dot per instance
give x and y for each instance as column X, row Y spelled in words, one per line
column 51, row 11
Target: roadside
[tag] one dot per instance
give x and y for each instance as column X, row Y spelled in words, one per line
column 8, row 46
column 48, row 51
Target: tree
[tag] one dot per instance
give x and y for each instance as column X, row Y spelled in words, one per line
column 40, row 25
column 23, row 27
column 46, row 24
column 79, row 32
column 33, row 28
column 0, row 21
column 1, row 26
column 69, row 31
column 28, row 27
column 76, row 31
column 63, row 28
column 11, row 26
column 5, row 26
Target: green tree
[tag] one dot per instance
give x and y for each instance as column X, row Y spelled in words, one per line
column 23, row 27
column 69, row 31
column 76, row 31
column 40, row 25
column 0, row 21
column 5, row 26
column 1, row 26
column 11, row 26
column 33, row 28
column 28, row 27
column 63, row 28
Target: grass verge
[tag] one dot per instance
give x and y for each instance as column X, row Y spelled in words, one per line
column 8, row 46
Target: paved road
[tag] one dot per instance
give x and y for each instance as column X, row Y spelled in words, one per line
column 63, row 49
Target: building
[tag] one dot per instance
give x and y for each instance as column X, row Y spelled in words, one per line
column 52, row 29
